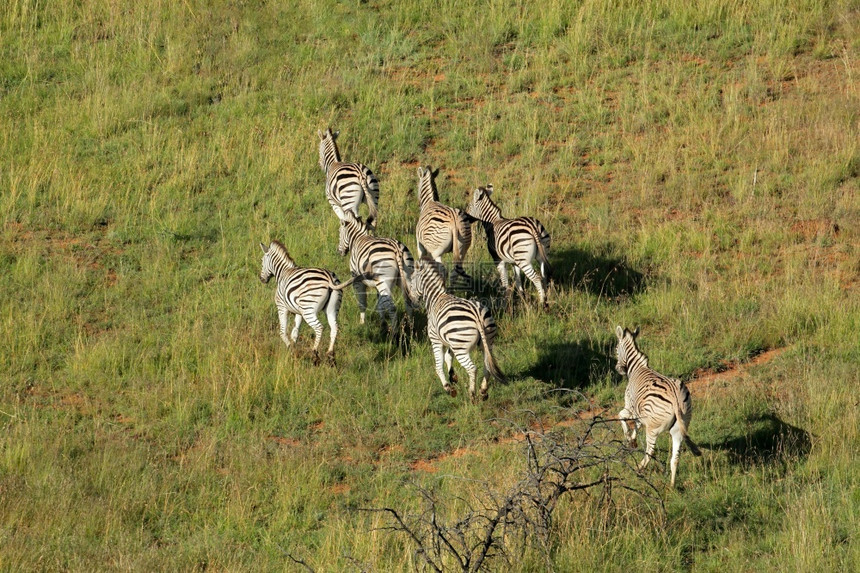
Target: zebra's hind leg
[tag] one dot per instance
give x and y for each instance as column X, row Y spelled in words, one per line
column 438, row 352
column 533, row 276
column 449, row 366
column 295, row 334
column 331, row 311
column 466, row 362
column 629, row 428
column 650, row 442
column 677, row 438
column 314, row 323
column 385, row 304
column 503, row 275
column 518, row 281
column 361, row 296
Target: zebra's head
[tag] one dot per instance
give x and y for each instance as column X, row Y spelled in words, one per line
column 275, row 259
column 626, row 348
column 427, row 185
column 429, row 276
column 328, row 148
column 350, row 228
column 482, row 207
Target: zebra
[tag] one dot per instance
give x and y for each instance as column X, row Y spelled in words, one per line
column 659, row 402
column 303, row 292
column 515, row 241
column 455, row 326
column 380, row 262
column 347, row 184
column 440, row 229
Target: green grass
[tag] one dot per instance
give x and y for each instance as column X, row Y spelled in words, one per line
column 698, row 167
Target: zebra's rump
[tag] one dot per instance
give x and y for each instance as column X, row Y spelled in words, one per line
column 439, row 224
column 538, row 230
column 377, row 257
column 460, row 323
column 346, row 184
column 514, row 239
column 306, row 288
column 659, row 398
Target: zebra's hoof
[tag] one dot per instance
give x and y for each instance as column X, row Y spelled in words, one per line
column 451, row 391
column 329, row 358
column 484, row 394
column 452, row 377
column 316, row 358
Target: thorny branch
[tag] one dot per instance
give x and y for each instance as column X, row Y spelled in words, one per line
column 496, row 524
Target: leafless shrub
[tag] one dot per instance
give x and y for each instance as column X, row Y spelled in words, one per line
column 500, row 525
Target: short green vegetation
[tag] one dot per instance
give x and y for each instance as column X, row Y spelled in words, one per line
column 698, row 167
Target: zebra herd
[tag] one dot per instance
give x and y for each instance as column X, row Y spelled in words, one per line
column 455, row 326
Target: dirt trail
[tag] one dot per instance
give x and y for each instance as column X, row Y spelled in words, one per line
column 710, row 383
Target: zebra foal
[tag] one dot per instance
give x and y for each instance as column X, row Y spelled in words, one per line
column 441, row 229
column 658, row 402
column 513, row 241
column 455, row 326
column 347, row 184
column 379, row 262
column 303, row 292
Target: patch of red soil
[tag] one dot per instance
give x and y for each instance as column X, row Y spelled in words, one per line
column 282, row 441
column 708, row 382
column 429, row 465
column 340, row 489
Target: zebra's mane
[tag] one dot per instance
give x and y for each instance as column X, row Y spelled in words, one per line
column 633, row 352
column 279, row 252
column 485, row 206
column 427, row 174
column 330, row 145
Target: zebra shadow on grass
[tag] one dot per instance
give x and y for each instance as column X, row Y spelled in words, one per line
column 612, row 278
column 572, row 365
column 768, row 441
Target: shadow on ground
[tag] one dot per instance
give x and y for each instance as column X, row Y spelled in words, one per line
column 768, row 440
column 601, row 276
column 572, row 365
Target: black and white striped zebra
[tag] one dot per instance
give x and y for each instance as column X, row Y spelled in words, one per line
column 441, row 229
column 455, row 326
column 658, row 402
column 347, row 184
column 513, row 241
column 302, row 292
column 382, row 262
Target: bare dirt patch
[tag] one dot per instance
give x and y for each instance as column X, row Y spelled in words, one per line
column 711, row 383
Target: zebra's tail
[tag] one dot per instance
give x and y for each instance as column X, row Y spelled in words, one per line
column 405, row 285
column 489, row 362
column 370, row 198
column 341, row 286
column 543, row 257
column 691, row 445
column 462, row 234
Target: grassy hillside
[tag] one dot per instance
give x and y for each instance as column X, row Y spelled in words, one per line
column 697, row 164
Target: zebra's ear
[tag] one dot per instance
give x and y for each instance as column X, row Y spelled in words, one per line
column 619, row 332
column 320, row 134
column 635, row 333
column 263, row 247
column 489, row 189
column 435, row 172
column 334, row 134
column 420, row 171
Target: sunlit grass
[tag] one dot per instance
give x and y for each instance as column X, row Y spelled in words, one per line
column 695, row 162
